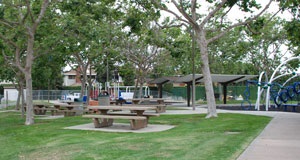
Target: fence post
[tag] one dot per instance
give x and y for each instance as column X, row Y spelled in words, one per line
column 6, row 102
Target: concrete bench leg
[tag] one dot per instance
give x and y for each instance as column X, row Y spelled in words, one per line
column 138, row 124
column 66, row 114
column 104, row 122
column 161, row 109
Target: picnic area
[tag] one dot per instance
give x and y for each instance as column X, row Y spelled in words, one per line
column 190, row 137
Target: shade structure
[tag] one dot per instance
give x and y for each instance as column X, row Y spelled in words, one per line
column 218, row 78
column 223, row 79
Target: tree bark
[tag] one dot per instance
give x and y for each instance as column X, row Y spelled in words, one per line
column 141, row 88
column 18, row 98
column 29, row 99
column 211, row 102
column 28, row 77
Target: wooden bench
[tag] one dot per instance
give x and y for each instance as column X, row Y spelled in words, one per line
column 136, row 122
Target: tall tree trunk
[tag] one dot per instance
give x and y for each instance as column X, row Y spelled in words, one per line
column 29, row 109
column 28, row 77
column 135, row 88
column 19, row 96
column 211, row 102
column 23, row 100
column 141, row 88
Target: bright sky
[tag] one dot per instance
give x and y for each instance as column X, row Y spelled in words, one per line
column 235, row 13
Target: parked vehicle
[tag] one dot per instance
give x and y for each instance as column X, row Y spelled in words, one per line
column 70, row 97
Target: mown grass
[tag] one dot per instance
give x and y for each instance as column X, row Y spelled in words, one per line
column 194, row 137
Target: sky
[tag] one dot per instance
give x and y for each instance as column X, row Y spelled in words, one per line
column 235, row 13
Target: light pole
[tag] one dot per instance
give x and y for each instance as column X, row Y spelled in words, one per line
column 107, row 74
column 193, row 70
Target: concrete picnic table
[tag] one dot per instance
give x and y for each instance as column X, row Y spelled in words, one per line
column 104, row 118
column 68, row 109
column 40, row 108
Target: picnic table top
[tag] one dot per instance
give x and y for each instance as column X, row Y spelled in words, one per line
column 139, row 107
column 67, row 105
column 155, row 99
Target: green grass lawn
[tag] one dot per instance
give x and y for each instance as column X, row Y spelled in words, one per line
column 194, row 137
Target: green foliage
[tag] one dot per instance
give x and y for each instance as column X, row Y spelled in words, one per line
column 293, row 33
column 47, row 72
column 292, row 6
column 127, row 73
column 78, row 88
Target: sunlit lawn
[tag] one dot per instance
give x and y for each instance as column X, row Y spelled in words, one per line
column 194, row 137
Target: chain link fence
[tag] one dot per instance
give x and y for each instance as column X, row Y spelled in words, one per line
column 51, row 94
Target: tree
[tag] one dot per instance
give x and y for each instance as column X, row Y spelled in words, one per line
column 189, row 14
column 89, row 27
column 143, row 56
column 46, row 71
column 292, row 26
column 20, row 22
column 252, row 49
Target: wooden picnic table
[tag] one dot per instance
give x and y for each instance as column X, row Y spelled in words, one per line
column 104, row 118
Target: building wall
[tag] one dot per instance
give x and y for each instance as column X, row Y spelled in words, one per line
column 68, row 81
column 11, row 94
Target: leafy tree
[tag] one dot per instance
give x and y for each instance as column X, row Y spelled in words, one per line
column 142, row 56
column 20, row 22
column 189, row 14
column 292, row 26
column 91, row 30
column 46, row 72
column 258, row 48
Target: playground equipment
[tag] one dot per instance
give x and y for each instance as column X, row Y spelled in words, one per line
column 280, row 94
column 274, row 77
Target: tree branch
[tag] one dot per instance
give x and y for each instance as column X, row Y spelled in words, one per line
column 42, row 12
column 212, row 13
column 169, row 11
column 239, row 24
column 182, row 11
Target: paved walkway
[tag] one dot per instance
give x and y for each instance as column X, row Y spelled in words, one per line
column 280, row 140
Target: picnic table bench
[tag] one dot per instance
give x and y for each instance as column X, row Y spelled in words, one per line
column 68, row 109
column 104, row 118
column 147, row 115
column 41, row 109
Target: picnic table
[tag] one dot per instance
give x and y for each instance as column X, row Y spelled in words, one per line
column 104, row 115
column 40, row 109
column 68, row 109
column 140, row 100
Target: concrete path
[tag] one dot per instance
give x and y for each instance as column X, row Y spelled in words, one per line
column 280, row 140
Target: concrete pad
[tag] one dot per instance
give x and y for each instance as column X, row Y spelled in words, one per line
column 122, row 127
